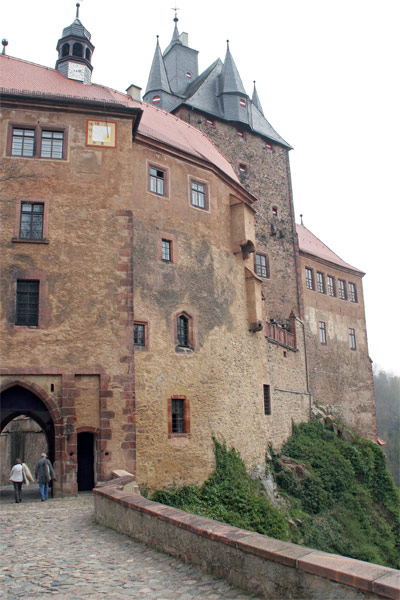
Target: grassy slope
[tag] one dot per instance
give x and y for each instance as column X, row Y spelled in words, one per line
column 347, row 503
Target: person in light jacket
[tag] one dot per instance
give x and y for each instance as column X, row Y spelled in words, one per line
column 17, row 478
column 45, row 473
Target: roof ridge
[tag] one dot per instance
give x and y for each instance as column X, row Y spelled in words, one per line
column 328, row 248
column 8, row 56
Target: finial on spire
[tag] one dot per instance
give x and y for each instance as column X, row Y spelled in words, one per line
column 301, row 220
column 77, row 10
column 176, row 13
column 5, row 44
column 227, row 44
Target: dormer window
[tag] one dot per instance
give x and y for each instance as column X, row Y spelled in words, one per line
column 242, row 102
column 77, row 49
column 188, row 75
column 156, row 99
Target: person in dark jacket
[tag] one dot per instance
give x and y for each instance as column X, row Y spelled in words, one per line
column 45, row 473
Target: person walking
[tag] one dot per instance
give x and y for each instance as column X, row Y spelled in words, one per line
column 17, row 477
column 45, row 473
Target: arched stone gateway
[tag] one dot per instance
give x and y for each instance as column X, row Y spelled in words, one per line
column 19, row 398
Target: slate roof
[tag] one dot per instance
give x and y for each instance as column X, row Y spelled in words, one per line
column 205, row 92
column 310, row 244
column 19, row 77
column 76, row 28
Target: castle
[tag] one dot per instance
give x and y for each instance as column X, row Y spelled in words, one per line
column 156, row 291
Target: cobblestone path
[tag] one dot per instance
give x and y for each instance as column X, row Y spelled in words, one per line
column 55, row 548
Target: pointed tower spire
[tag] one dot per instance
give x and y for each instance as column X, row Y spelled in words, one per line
column 175, row 35
column 158, row 80
column 230, row 78
column 75, row 51
column 255, row 99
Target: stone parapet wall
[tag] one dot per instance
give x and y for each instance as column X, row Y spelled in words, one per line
column 256, row 563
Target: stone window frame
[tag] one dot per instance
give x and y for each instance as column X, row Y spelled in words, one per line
column 257, row 269
column 165, row 170
column 37, row 144
column 169, row 237
column 267, row 401
column 17, row 223
column 352, row 293
column 323, row 338
column 331, row 285
column 205, row 184
column 309, row 275
column 44, row 306
column 321, row 283
column 190, row 348
column 352, row 339
column 146, row 328
column 186, row 417
column 342, row 289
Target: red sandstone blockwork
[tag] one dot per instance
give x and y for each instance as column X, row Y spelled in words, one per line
column 363, row 576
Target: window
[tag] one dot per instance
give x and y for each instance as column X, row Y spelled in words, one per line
column 261, row 265
column 36, row 142
column 352, row 338
column 178, row 416
column 31, row 221
column 322, row 332
column 342, row 289
column 320, row 283
column 157, row 181
column 182, row 323
column 188, row 75
column 27, row 303
column 242, row 102
column 240, row 134
column 23, row 142
column 353, row 292
column 274, row 211
column 138, row 334
column 309, row 279
column 156, row 99
column 52, row 144
column 199, row 195
column 166, row 254
column 268, row 147
column 331, row 286
column 210, row 123
column 242, row 169
column 267, row 399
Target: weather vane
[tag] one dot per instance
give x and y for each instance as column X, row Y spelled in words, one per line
column 176, row 11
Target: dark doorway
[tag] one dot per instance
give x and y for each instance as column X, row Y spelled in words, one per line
column 85, row 461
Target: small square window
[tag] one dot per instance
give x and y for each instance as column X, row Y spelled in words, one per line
column 261, row 266
column 353, row 292
column 27, row 303
column 31, row 221
column 267, row 399
column 240, row 134
column 331, row 286
column 157, row 181
column 141, row 335
column 166, row 247
column 268, row 147
column 322, row 332
column 52, row 144
column 320, row 283
column 210, row 123
column 342, row 289
column 23, row 142
column 352, row 339
column 309, row 279
column 199, row 195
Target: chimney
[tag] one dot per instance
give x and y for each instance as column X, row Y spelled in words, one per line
column 184, row 38
column 134, row 92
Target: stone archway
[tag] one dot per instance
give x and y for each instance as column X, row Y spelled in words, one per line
column 19, row 398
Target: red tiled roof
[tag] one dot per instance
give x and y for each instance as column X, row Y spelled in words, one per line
column 22, row 77
column 310, row 244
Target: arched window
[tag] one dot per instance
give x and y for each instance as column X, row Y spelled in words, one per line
column 77, row 49
column 65, row 50
column 88, row 55
column 182, row 325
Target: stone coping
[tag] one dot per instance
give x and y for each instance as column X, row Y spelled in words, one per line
column 367, row 577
